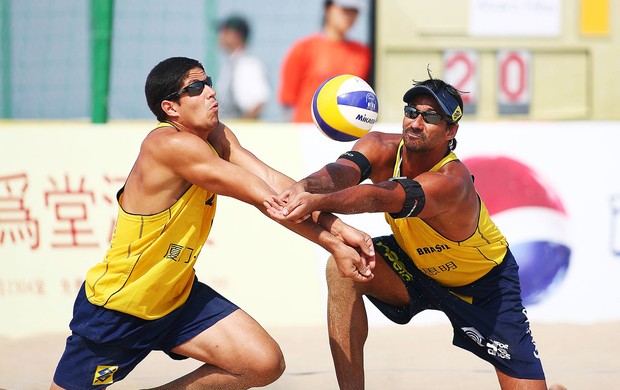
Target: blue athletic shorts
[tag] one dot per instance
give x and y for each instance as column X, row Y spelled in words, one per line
column 105, row 345
column 494, row 326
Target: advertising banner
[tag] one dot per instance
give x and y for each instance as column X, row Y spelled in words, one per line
column 551, row 190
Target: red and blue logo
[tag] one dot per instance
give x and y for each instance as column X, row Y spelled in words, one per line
column 531, row 216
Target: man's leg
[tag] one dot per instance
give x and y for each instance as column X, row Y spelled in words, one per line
column 348, row 328
column 347, row 321
column 509, row 383
column 238, row 354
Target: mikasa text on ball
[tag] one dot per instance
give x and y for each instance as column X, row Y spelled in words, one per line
column 345, row 107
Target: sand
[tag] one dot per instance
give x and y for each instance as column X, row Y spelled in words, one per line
column 403, row 357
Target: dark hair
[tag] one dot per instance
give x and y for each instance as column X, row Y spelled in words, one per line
column 438, row 85
column 238, row 24
column 166, row 78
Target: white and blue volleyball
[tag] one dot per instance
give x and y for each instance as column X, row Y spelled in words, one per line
column 345, row 107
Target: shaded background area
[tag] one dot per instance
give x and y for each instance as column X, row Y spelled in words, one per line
column 541, row 60
column 46, row 57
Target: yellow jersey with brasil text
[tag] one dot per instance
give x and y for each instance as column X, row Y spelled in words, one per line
column 148, row 271
column 451, row 263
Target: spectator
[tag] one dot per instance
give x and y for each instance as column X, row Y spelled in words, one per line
column 243, row 88
column 320, row 56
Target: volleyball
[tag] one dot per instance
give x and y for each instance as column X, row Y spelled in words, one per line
column 345, row 107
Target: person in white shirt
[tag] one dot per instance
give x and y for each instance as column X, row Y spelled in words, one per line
column 243, row 88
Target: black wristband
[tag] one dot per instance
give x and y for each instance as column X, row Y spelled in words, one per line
column 414, row 198
column 361, row 161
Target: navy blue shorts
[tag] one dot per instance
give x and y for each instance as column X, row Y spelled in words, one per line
column 105, row 345
column 494, row 326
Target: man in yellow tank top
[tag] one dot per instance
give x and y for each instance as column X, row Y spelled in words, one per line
column 144, row 295
column 445, row 252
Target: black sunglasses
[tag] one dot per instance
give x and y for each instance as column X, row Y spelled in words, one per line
column 194, row 89
column 429, row 116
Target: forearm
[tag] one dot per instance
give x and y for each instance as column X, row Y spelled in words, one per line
column 361, row 199
column 316, row 184
column 328, row 221
column 352, row 249
column 331, row 178
column 315, row 232
column 308, row 229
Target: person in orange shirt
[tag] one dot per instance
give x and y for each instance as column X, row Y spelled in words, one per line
column 315, row 58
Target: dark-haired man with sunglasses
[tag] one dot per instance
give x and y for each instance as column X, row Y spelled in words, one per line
column 445, row 252
column 144, row 295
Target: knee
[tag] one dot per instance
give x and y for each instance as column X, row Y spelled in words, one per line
column 332, row 275
column 331, row 271
column 335, row 278
column 266, row 367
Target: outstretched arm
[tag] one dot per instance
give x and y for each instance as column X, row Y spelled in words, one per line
column 364, row 198
column 428, row 195
column 249, row 179
column 371, row 157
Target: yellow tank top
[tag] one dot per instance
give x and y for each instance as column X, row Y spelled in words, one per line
column 450, row 263
column 148, row 271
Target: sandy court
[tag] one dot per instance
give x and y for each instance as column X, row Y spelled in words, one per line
column 404, row 357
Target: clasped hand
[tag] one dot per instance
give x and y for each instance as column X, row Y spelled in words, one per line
column 355, row 259
column 291, row 205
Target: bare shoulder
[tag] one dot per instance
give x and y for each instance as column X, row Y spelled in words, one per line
column 154, row 183
column 378, row 143
column 380, row 149
column 458, row 170
column 453, row 180
column 175, row 155
column 173, row 148
column 166, row 137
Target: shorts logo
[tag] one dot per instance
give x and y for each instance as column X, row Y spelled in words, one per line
column 494, row 348
column 498, row 349
column 397, row 264
column 104, row 375
column 474, row 335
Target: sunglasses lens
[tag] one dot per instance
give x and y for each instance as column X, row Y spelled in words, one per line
column 433, row 119
column 429, row 117
column 195, row 88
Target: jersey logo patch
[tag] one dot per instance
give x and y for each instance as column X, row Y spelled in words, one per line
column 104, row 375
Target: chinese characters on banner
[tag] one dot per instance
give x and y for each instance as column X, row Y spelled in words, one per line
column 68, row 204
column 62, row 214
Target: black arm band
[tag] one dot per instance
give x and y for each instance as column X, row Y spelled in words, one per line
column 414, row 200
column 360, row 160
